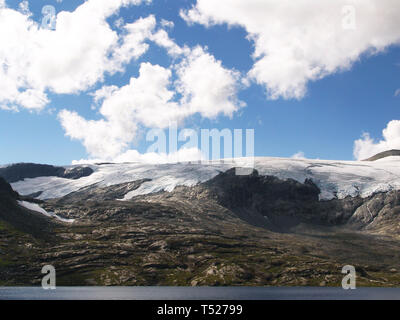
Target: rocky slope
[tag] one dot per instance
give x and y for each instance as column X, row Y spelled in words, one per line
column 21, row 171
column 25, row 220
column 228, row 230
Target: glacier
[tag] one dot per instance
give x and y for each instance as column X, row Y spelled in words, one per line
column 335, row 179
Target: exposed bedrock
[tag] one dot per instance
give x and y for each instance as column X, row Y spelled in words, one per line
column 287, row 203
column 280, row 205
column 262, row 201
column 19, row 217
column 21, row 171
column 385, row 154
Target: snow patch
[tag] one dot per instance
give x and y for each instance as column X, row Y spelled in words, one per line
column 35, row 207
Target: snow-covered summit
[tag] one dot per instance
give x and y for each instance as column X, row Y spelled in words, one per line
column 334, row 178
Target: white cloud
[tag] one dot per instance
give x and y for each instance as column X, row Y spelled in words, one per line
column 367, row 147
column 133, row 43
column 32, row 99
column 145, row 98
column 207, row 87
column 182, row 155
column 167, row 24
column 299, row 155
column 151, row 100
column 99, row 137
column 103, row 93
column 304, row 40
column 24, row 7
column 68, row 60
column 162, row 39
column 397, row 93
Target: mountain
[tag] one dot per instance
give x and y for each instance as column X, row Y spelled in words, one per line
column 385, row 154
column 289, row 222
column 21, row 171
column 335, row 179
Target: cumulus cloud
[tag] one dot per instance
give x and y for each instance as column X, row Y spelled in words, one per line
column 153, row 100
column 133, row 42
column 68, row 60
column 304, row 40
column 162, row 39
column 103, row 93
column 206, row 86
column 367, row 147
column 145, row 99
column 299, row 155
column 99, row 137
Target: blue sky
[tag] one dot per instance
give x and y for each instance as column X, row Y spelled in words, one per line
column 324, row 123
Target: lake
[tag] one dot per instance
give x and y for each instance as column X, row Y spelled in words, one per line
column 197, row 293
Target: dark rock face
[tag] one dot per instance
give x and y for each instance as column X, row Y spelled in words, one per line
column 6, row 192
column 97, row 193
column 19, row 217
column 278, row 203
column 384, row 154
column 244, row 191
column 21, row 171
column 77, row 173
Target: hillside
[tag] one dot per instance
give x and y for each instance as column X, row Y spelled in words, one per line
column 290, row 222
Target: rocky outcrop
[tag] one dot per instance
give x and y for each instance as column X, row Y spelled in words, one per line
column 97, row 192
column 281, row 205
column 21, row 171
column 379, row 213
column 6, row 192
column 76, row 173
column 18, row 217
column 265, row 200
column 384, row 154
column 272, row 203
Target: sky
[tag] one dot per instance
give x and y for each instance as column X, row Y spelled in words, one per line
column 313, row 79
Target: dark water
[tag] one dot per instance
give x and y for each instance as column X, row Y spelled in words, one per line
column 201, row 293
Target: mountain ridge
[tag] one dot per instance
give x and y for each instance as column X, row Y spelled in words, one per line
column 20, row 171
column 384, row 154
column 335, row 179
